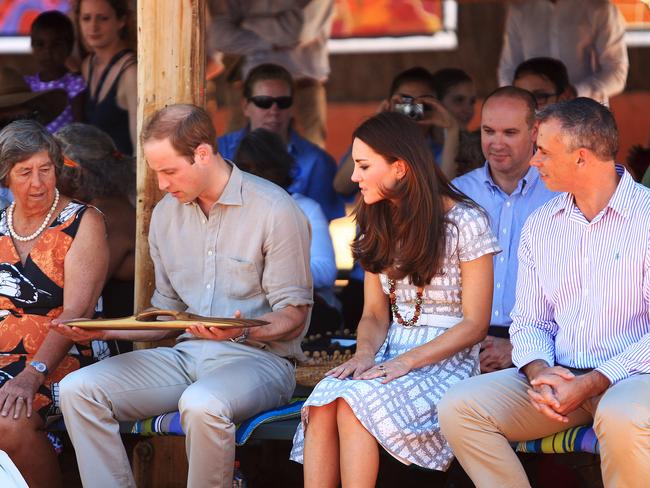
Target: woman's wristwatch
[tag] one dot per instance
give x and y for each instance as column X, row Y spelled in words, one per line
column 40, row 367
column 243, row 337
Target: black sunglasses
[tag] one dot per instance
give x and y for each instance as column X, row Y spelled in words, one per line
column 265, row 102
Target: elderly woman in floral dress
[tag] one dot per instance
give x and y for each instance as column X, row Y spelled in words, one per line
column 53, row 259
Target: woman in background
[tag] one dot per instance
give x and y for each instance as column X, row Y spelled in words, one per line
column 53, row 260
column 109, row 70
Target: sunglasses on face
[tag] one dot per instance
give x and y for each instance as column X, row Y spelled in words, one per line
column 265, row 102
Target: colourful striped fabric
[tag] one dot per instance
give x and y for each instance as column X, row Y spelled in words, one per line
column 170, row 423
column 575, row 439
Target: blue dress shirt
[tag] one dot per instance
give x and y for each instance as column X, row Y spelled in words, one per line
column 507, row 216
column 313, row 171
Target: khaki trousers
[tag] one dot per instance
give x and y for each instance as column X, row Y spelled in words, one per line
column 214, row 385
column 481, row 415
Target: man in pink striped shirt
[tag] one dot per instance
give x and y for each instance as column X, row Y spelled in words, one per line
column 581, row 322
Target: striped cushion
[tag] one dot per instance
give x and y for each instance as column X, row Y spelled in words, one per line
column 575, row 439
column 170, row 423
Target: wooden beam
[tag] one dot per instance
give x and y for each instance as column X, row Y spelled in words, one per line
column 171, row 69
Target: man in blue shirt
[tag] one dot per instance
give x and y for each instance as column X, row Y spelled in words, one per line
column 268, row 97
column 509, row 189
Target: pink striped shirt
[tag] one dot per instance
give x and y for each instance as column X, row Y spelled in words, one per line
column 583, row 288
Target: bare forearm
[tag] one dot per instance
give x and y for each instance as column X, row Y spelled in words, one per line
column 461, row 336
column 371, row 334
column 53, row 350
column 284, row 324
column 532, row 369
column 595, row 383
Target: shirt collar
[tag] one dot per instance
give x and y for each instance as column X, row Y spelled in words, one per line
column 622, row 198
column 619, row 202
column 232, row 193
column 527, row 182
column 294, row 139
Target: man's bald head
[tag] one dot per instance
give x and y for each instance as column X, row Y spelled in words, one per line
column 185, row 125
column 514, row 93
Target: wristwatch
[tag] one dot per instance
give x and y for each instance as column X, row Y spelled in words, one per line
column 241, row 338
column 40, row 367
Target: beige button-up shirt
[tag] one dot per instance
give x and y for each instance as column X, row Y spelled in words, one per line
column 251, row 253
column 586, row 35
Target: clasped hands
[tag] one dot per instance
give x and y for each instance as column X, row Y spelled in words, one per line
column 363, row 367
column 556, row 392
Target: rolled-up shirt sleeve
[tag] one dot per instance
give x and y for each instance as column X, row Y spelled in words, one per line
column 286, row 279
column 533, row 328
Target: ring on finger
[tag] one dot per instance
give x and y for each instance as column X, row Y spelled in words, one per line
column 382, row 368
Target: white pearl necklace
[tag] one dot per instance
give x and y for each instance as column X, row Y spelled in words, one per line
column 37, row 232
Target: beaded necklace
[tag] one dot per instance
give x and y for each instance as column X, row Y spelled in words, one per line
column 37, row 232
column 395, row 309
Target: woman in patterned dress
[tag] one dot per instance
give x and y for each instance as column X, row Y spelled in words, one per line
column 53, row 259
column 427, row 251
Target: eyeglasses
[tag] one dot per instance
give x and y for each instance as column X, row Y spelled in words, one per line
column 265, row 102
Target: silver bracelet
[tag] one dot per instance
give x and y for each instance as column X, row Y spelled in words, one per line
column 241, row 338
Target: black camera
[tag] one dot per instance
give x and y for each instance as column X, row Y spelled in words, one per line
column 409, row 108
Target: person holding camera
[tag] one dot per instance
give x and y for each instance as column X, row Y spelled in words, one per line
column 412, row 93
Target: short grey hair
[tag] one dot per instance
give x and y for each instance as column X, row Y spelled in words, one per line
column 585, row 123
column 22, row 139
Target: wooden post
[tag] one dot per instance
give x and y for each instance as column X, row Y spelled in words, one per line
column 171, row 69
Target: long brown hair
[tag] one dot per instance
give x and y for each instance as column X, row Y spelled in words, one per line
column 407, row 237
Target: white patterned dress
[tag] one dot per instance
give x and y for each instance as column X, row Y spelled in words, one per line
column 402, row 414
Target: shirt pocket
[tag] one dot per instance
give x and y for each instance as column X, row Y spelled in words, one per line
column 242, row 279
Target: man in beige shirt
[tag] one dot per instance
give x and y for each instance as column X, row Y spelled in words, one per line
column 224, row 243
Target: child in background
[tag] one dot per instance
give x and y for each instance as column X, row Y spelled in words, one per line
column 52, row 42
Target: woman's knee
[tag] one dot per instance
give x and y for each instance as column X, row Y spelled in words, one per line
column 323, row 415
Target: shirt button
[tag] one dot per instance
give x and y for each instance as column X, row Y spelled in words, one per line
column 208, row 286
column 582, row 323
column 505, row 231
column 502, row 259
column 496, row 313
column 508, row 204
column 585, row 292
column 498, row 285
column 210, row 252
